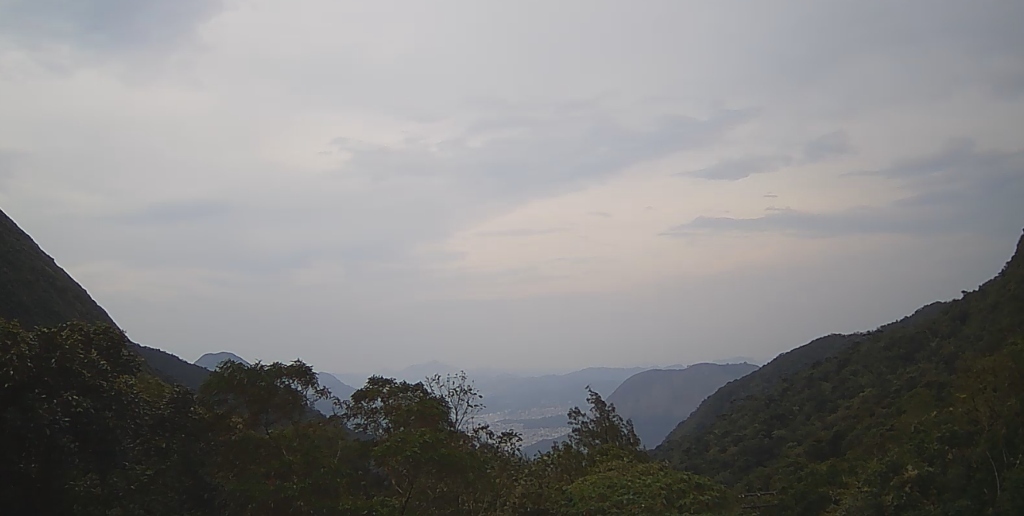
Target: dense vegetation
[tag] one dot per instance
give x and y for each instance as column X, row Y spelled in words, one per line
column 87, row 431
column 921, row 418
column 783, row 366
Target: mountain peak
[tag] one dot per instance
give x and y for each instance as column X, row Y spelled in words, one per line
column 212, row 360
column 1016, row 263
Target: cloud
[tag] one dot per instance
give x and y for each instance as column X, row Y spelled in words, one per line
column 845, row 223
column 8, row 166
column 520, row 232
column 238, row 156
column 956, row 189
column 549, row 155
column 176, row 212
column 825, row 147
column 957, row 156
column 736, row 169
column 105, row 25
column 1009, row 85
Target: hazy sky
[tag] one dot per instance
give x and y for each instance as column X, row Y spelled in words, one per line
column 523, row 185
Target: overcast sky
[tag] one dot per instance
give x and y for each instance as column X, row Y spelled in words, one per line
column 528, row 185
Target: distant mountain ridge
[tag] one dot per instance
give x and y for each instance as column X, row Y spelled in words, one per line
column 36, row 292
column 210, row 361
column 659, row 399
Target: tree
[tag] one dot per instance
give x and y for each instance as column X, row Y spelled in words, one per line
column 273, row 453
column 85, row 431
column 458, row 393
column 633, row 488
column 602, row 427
column 263, row 396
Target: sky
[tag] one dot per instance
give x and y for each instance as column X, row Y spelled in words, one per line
column 529, row 185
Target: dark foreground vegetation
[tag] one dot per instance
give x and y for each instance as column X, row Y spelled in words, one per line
column 87, row 431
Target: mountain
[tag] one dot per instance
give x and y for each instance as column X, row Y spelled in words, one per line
column 785, row 364
column 338, row 389
column 736, row 360
column 36, row 292
column 658, row 399
column 519, row 393
column 925, row 414
column 210, row 361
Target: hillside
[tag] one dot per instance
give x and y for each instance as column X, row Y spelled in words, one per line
column 657, row 400
column 38, row 293
column 782, row 366
column 926, row 413
column 338, row 389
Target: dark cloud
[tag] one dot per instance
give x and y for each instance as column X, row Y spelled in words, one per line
column 105, row 24
column 603, row 214
column 736, row 169
column 956, row 189
column 825, row 147
column 959, row 154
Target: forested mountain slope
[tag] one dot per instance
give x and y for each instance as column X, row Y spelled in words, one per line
column 658, row 399
column 920, row 417
column 36, row 292
column 783, row 365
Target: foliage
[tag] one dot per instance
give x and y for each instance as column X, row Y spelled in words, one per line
column 92, row 433
column 86, row 433
column 919, row 418
column 633, row 488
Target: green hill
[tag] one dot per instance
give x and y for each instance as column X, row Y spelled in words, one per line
column 36, row 292
column 923, row 416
